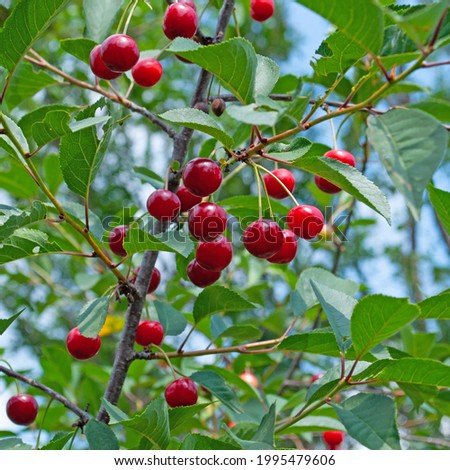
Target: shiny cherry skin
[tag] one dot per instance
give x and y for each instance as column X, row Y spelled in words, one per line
column 215, row 255
column 99, row 68
column 202, row 177
column 262, row 10
column 250, row 378
column 116, row 238
column 154, row 280
column 263, row 238
column 344, row 157
column 274, row 188
column 119, row 52
column 163, row 205
column 288, row 250
column 333, row 439
column 22, row 409
column 149, row 332
column 187, row 199
column 181, row 392
column 206, row 221
column 147, row 72
column 201, row 277
column 189, row 3
column 180, row 20
column 81, row 347
column 305, row 221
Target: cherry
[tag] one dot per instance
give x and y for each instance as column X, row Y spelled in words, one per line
column 116, row 238
column 189, row 3
column 187, row 199
column 274, row 188
column 180, row 20
column 262, row 10
column 206, row 221
column 263, row 238
column 202, row 176
column 149, row 332
column 231, row 424
column 305, row 221
column 201, row 277
column 119, row 52
column 218, row 106
column 163, row 205
column 147, row 72
column 202, row 106
column 81, row 347
column 250, row 378
column 333, row 439
column 99, row 68
column 315, row 377
column 215, row 255
column 288, row 250
column 344, row 157
column 181, row 392
column 154, row 280
column 22, row 409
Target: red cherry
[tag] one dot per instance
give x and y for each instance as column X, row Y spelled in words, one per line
column 187, row 199
column 215, row 255
column 99, row 68
column 250, row 378
column 207, row 221
column 344, row 157
column 288, row 250
column 262, row 10
column 154, row 280
column 201, row 277
column 315, row 377
column 189, row 3
column 22, row 409
column 147, row 72
column 181, row 392
column 149, row 332
column 263, row 238
column 119, row 52
column 202, row 176
column 116, row 238
column 333, row 438
column 180, row 20
column 274, row 188
column 81, row 347
column 305, row 221
column 163, row 205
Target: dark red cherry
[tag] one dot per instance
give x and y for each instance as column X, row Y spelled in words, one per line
column 305, row 221
column 344, row 157
column 99, row 68
column 189, row 3
column 333, row 439
column 274, row 188
column 154, row 280
column 181, row 392
column 201, row 277
column 202, row 176
column 81, row 347
column 288, row 250
column 206, row 221
column 187, row 199
column 263, row 238
column 22, row 409
column 163, row 205
column 119, row 52
column 215, row 255
column 262, row 10
column 218, row 106
column 180, row 20
column 147, row 72
column 149, row 332
column 116, row 238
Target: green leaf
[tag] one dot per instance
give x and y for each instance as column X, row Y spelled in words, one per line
column 267, row 75
column 440, row 109
column 317, row 342
column 417, row 371
column 7, row 145
column 315, row 424
column 116, row 414
column 58, row 441
column 375, row 430
column 377, row 318
column 361, row 20
column 25, row 243
column 218, row 387
column 28, row 20
column 27, row 121
column 54, row 125
column 13, row 443
column 5, row 324
column 216, row 299
column 92, row 317
column 234, row 62
column 180, row 414
column 411, row 144
column 241, row 332
column 200, row 121
column 16, row 131
column 172, row 321
column 436, row 307
column 78, row 47
column 299, row 147
column 149, row 176
column 78, row 212
column 250, row 115
column 100, row 16
column 252, row 203
column 201, row 442
column 100, row 436
column 14, row 218
column 441, row 202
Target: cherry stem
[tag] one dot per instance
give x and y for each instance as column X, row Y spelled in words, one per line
column 38, row 440
column 73, row 438
column 265, row 190
column 236, row 22
column 258, row 182
column 280, row 182
column 15, row 379
column 130, row 15
column 180, row 349
column 166, row 358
